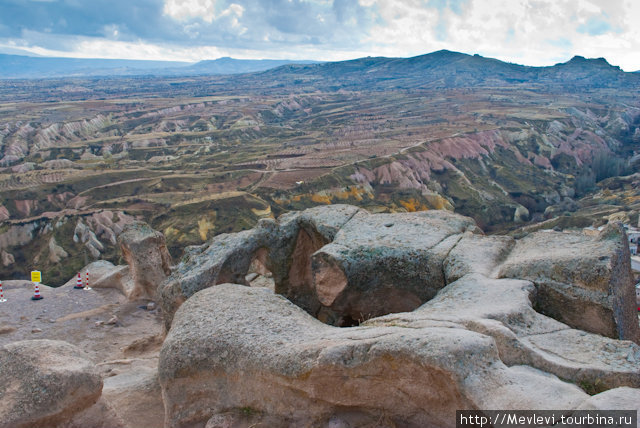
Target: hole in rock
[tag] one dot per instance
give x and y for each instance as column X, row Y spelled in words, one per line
column 339, row 285
column 258, row 274
column 319, row 285
column 580, row 314
column 298, row 285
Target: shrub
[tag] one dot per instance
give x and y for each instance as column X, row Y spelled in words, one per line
column 607, row 165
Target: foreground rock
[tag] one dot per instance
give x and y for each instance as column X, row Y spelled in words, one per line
column 145, row 251
column 338, row 262
column 624, row 398
column 502, row 309
column 460, row 330
column 581, row 281
column 343, row 266
column 258, row 351
column 384, row 263
column 135, row 396
column 45, row 383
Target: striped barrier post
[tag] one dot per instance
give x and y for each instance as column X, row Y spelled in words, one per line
column 86, row 284
column 36, row 292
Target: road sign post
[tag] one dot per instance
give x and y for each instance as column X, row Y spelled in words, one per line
column 36, row 276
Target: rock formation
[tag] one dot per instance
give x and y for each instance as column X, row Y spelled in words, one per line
column 45, row 383
column 467, row 335
column 235, row 347
column 344, row 265
column 581, row 281
column 440, row 317
column 284, row 248
column 149, row 261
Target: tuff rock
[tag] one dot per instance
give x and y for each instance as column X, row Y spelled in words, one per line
column 583, row 281
column 145, row 251
column 344, row 265
column 442, row 316
column 236, row 347
column 45, row 383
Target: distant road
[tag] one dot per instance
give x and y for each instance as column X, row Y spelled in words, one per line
column 635, row 263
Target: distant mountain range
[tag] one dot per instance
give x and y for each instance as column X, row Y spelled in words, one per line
column 27, row 67
column 444, row 69
column 433, row 71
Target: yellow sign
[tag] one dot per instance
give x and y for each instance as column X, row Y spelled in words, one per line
column 36, row 276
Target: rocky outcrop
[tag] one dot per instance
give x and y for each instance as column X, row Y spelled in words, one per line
column 627, row 398
column 502, row 309
column 83, row 234
column 4, row 213
column 581, row 280
column 136, row 398
column 258, row 351
column 146, row 253
column 7, row 258
column 344, row 265
column 56, row 252
column 476, row 253
column 284, row 248
column 104, row 274
column 460, row 330
column 384, row 263
column 45, row 383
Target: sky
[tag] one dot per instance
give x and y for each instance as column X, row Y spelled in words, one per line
column 530, row 32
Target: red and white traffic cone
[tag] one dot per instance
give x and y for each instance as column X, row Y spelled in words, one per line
column 78, row 285
column 86, row 285
column 2, row 299
column 36, row 292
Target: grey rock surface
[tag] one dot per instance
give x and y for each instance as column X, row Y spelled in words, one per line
column 258, row 351
column 145, row 251
column 583, row 281
column 283, row 248
column 502, row 309
column 45, row 383
column 475, row 253
column 622, row 398
column 456, row 320
column 136, row 397
column 344, row 265
column 384, row 263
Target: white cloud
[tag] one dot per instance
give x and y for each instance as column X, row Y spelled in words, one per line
column 183, row 10
column 532, row 32
column 113, row 49
column 188, row 9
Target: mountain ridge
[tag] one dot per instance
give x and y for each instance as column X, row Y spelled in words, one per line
column 28, row 67
column 442, row 69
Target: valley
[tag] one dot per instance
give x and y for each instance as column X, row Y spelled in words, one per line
column 510, row 146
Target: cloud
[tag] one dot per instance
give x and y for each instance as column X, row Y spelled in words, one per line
column 205, row 10
column 520, row 31
column 189, row 9
column 534, row 32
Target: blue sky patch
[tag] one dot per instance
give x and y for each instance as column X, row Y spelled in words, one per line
column 595, row 27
